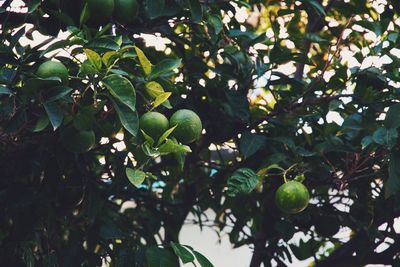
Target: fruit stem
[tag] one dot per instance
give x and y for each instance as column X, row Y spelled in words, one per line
column 286, row 172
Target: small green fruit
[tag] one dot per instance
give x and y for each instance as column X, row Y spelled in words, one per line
column 100, row 11
column 78, row 141
column 188, row 128
column 292, row 197
column 126, row 11
column 153, row 124
column 53, row 69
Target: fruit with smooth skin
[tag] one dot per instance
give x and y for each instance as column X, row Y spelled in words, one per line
column 188, row 126
column 126, row 11
column 78, row 141
column 53, row 69
column 292, row 197
column 100, row 11
column 153, row 124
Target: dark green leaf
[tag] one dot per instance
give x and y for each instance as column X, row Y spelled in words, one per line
column 387, row 137
column 129, row 118
column 242, row 181
column 251, row 143
column 204, row 262
column 392, row 119
column 155, row 8
column 195, row 10
column 122, row 89
column 159, row 257
column 183, row 253
column 55, row 114
column 392, row 185
column 165, row 66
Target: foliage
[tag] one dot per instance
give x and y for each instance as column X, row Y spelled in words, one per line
column 81, row 184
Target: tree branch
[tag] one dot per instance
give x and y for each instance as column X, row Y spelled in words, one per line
column 315, row 24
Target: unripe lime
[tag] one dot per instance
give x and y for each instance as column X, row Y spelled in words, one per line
column 126, row 11
column 189, row 126
column 100, row 11
column 153, row 124
column 53, row 69
column 292, row 197
column 78, row 141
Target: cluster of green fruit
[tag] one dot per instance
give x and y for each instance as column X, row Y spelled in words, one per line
column 187, row 125
column 100, row 11
column 292, row 197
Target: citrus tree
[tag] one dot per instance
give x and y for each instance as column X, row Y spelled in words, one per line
column 281, row 117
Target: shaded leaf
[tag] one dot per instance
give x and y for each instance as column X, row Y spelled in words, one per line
column 122, row 89
column 242, row 181
column 55, row 114
column 183, row 253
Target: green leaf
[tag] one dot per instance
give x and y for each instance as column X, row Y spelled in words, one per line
column 165, row 66
column 183, row 253
column 5, row 91
column 172, row 146
column 150, row 150
column 392, row 185
column 316, row 6
column 55, row 114
column 110, row 58
column 392, row 119
column 144, row 61
column 39, row 83
column 57, row 93
column 203, row 261
column 93, row 58
column 387, row 137
column 154, row 89
column 33, row 5
column 102, row 43
column 128, row 118
column 166, row 135
column 251, row 143
column 242, row 181
column 148, row 138
column 160, row 99
column 159, row 257
column 136, row 177
column 335, row 104
column 122, row 89
column 155, row 8
column 316, row 38
column 85, row 15
column 366, row 141
column 215, row 22
column 41, row 124
column 195, row 10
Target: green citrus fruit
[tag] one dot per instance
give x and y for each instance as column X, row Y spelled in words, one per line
column 292, row 197
column 153, row 124
column 189, row 126
column 100, row 11
column 126, row 11
column 53, row 69
column 78, row 141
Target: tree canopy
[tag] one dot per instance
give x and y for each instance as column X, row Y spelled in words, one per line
column 246, row 96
